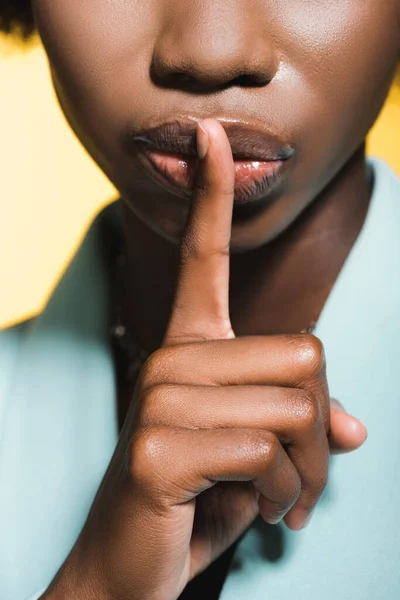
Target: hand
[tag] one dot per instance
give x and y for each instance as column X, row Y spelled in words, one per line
column 219, row 428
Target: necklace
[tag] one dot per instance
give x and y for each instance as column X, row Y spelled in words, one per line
column 129, row 356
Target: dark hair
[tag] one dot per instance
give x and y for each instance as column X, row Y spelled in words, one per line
column 16, row 17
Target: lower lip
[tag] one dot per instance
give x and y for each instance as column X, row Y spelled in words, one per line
column 253, row 179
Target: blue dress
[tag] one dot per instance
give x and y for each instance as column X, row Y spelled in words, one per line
column 58, row 429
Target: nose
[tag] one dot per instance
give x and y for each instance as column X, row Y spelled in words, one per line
column 210, row 45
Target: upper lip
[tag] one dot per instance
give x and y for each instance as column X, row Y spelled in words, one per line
column 247, row 141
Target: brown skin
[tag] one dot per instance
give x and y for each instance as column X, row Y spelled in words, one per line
column 317, row 75
column 220, row 428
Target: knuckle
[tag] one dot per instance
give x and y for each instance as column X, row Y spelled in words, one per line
column 196, row 245
column 147, row 455
column 154, row 367
column 154, row 400
column 310, row 353
column 264, row 448
column 309, row 411
column 220, row 251
column 190, row 244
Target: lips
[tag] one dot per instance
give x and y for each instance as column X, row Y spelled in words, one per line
column 169, row 154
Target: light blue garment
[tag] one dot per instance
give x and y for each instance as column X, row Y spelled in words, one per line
column 58, row 430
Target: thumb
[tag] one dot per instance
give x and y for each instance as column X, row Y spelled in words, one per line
column 346, row 432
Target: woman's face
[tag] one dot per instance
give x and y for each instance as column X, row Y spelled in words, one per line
column 313, row 73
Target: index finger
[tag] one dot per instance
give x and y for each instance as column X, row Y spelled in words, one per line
column 200, row 309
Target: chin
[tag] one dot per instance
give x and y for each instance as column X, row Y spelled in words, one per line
column 243, row 239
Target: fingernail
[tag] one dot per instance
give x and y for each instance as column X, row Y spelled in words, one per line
column 275, row 520
column 307, row 520
column 358, row 427
column 303, row 519
column 202, row 141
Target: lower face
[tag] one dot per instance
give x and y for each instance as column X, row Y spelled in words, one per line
column 314, row 73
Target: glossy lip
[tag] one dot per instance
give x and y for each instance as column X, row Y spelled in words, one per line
column 168, row 153
column 253, row 180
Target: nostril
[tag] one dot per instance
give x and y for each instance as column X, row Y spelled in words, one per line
column 251, row 80
column 181, row 77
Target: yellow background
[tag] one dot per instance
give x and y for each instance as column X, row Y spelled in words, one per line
column 50, row 188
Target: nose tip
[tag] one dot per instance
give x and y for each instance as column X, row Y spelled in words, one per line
column 203, row 53
column 209, row 74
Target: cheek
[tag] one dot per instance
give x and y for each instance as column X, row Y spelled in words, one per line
column 338, row 61
column 91, row 47
column 343, row 53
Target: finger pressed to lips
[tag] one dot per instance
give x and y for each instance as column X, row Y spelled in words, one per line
column 201, row 305
column 230, row 373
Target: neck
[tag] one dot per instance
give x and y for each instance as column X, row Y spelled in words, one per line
column 278, row 288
